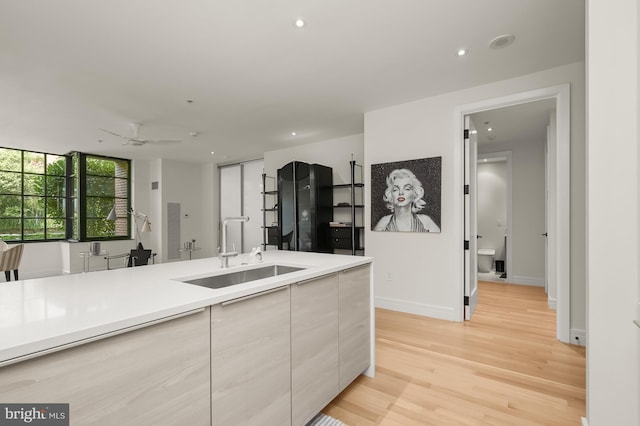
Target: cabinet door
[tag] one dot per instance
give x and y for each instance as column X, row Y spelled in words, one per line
column 355, row 323
column 157, row 375
column 314, row 346
column 251, row 360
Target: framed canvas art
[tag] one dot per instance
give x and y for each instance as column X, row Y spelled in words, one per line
column 406, row 195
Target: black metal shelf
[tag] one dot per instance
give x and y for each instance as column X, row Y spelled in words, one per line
column 352, row 237
column 348, row 185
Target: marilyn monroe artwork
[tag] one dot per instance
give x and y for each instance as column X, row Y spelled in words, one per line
column 405, row 195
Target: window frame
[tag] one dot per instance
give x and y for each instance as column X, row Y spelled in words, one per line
column 44, row 196
column 75, row 196
column 82, row 189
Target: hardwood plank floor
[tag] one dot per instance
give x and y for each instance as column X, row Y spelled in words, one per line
column 504, row 367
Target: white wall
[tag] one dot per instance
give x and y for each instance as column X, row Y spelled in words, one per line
column 184, row 183
column 613, row 342
column 492, row 206
column 426, row 128
column 528, row 209
column 334, row 153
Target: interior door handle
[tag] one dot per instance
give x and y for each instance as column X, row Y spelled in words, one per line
column 545, row 234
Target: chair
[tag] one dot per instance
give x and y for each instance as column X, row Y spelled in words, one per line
column 10, row 258
column 136, row 257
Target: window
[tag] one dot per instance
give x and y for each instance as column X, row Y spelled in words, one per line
column 33, row 190
column 45, row 197
column 101, row 185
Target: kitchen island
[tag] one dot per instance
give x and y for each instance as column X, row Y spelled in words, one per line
column 141, row 344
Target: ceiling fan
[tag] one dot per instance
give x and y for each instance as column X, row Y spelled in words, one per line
column 136, row 140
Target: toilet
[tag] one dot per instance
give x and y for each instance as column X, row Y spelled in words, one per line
column 485, row 259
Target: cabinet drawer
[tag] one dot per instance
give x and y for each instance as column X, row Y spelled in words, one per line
column 343, row 232
column 341, row 238
column 342, row 243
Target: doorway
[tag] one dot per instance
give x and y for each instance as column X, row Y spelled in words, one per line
column 558, row 273
column 240, row 195
column 495, row 178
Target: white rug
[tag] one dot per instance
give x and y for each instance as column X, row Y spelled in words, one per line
column 324, row 420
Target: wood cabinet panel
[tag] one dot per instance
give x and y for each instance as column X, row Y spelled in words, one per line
column 158, row 375
column 355, row 323
column 314, row 346
column 251, row 360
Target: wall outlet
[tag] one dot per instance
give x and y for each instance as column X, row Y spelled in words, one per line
column 388, row 276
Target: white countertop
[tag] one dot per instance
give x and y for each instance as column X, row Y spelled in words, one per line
column 40, row 314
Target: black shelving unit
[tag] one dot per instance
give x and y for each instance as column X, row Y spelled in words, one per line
column 350, row 237
column 270, row 232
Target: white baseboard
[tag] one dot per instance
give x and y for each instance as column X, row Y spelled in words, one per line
column 552, row 302
column 584, row 421
column 578, row 337
column 533, row 281
column 432, row 311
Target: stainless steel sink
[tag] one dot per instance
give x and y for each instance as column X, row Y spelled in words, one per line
column 240, row 277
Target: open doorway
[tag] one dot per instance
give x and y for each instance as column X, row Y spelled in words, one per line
column 557, row 198
column 512, row 192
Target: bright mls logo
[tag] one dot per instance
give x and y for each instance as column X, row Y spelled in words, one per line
column 34, row 414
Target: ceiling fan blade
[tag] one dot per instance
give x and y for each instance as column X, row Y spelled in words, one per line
column 163, row 141
column 115, row 134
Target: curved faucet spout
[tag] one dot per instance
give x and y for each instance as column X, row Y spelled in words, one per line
column 225, row 255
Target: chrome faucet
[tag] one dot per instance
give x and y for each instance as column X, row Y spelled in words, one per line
column 225, row 255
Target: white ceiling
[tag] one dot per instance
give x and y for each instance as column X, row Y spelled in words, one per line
column 71, row 67
column 517, row 124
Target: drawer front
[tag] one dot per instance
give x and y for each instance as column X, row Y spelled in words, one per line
column 343, row 232
column 341, row 243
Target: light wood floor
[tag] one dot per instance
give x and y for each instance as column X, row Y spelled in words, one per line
column 504, row 367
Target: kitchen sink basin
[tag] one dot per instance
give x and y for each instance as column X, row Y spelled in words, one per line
column 240, row 277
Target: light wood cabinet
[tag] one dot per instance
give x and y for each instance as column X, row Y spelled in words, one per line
column 355, row 323
column 157, row 375
column 314, row 346
column 250, row 360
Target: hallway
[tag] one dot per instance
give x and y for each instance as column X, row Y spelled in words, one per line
column 504, row 367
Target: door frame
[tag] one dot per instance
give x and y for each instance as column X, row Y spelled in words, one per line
column 559, row 197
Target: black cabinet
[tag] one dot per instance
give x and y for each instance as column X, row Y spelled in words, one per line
column 305, row 207
column 341, row 238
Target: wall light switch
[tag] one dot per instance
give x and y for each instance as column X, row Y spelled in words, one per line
column 500, row 222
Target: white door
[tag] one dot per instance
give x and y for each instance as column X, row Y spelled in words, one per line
column 470, row 219
column 240, row 195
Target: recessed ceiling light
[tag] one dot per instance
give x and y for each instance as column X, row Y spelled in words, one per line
column 485, row 160
column 299, row 23
column 293, row 133
column 473, row 132
column 502, row 41
column 490, row 129
column 212, row 152
column 462, row 52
